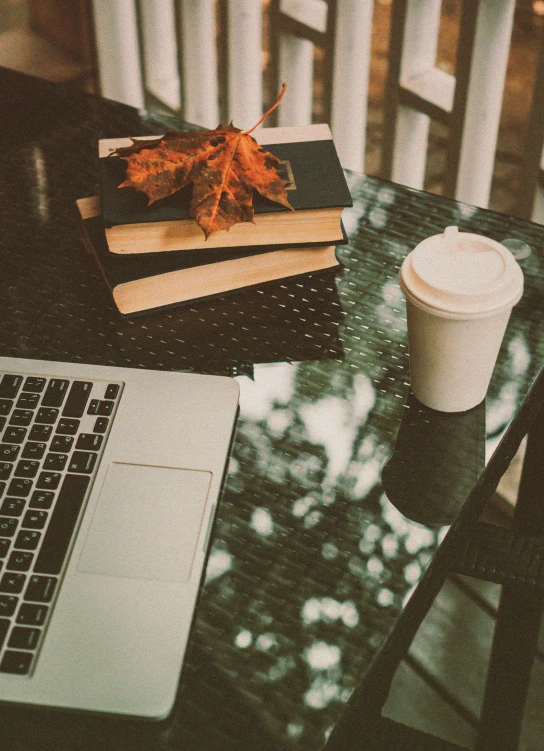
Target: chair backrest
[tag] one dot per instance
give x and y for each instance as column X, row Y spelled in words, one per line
column 219, row 60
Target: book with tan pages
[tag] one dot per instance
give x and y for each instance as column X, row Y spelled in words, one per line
column 149, row 281
column 318, row 192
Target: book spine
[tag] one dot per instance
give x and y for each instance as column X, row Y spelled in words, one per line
column 89, row 247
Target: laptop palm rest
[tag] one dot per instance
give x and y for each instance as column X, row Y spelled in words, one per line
column 146, row 523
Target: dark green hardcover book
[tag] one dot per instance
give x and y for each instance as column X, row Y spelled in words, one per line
column 318, row 194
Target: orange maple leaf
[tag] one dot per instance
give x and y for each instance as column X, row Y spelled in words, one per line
column 225, row 166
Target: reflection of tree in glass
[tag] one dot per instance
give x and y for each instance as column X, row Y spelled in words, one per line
column 318, row 561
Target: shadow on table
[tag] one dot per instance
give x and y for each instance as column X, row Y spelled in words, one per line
column 436, row 461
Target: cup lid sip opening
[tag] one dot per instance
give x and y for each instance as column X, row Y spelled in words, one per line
column 462, row 273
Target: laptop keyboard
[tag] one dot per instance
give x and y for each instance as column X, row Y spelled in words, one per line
column 53, row 432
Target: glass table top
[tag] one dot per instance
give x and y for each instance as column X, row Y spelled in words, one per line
column 340, row 487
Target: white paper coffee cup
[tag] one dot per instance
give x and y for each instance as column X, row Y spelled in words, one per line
column 460, row 290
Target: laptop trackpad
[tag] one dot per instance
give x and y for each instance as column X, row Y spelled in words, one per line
column 146, row 523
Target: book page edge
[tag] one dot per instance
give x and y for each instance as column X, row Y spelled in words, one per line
column 137, row 296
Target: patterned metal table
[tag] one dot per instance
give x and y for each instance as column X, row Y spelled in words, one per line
column 316, row 553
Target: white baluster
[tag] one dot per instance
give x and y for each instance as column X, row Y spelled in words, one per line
column 161, row 51
column 418, row 55
column 199, row 55
column 352, row 47
column 296, row 67
column 486, row 86
column 245, row 49
column 116, row 33
column 296, row 61
column 312, row 13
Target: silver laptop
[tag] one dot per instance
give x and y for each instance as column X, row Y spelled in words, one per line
column 109, row 483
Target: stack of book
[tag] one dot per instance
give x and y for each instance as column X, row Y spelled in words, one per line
column 156, row 256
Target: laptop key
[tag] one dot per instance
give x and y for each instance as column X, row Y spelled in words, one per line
column 41, row 588
column 7, row 526
column 21, row 417
column 14, row 435
column 28, row 401
column 55, row 461
column 55, row 392
column 99, row 407
column 89, row 442
column 4, row 628
column 19, row 560
column 41, row 499
column 77, row 399
column 35, row 519
column 9, row 451
column 34, row 384
column 16, row 662
column 47, row 415
column 12, row 583
column 111, row 391
column 61, row 525
column 62, row 443
column 24, row 638
column 9, row 386
column 5, row 406
column 33, row 450
column 4, row 546
column 32, row 615
column 82, row 461
column 101, row 424
column 20, row 486
column 5, row 470
column 27, row 539
column 12, row 506
column 8, row 605
column 67, row 426
column 48, row 480
column 26, row 468
column 40, row 432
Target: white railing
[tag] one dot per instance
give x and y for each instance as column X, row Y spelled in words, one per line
column 469, row 103
column 205, row 60
column 168, row 49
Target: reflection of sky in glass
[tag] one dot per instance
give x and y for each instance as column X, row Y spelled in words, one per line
column 334, row 422
column 415, row 535
column 243, row 639
column 219, row 562
column 272, row 384
column 350, row 218
column 329, row 610
column 500, row 410
column 261, row 522
column 322, row 656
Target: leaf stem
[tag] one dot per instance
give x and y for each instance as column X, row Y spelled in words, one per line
column 280, row 97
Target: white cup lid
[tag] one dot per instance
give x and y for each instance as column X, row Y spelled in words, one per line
column 462, row 273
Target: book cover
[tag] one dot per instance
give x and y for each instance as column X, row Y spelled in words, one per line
column 318, row 193
column 157, row 280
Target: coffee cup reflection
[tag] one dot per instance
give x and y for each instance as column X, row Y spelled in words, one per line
column 436, row 460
